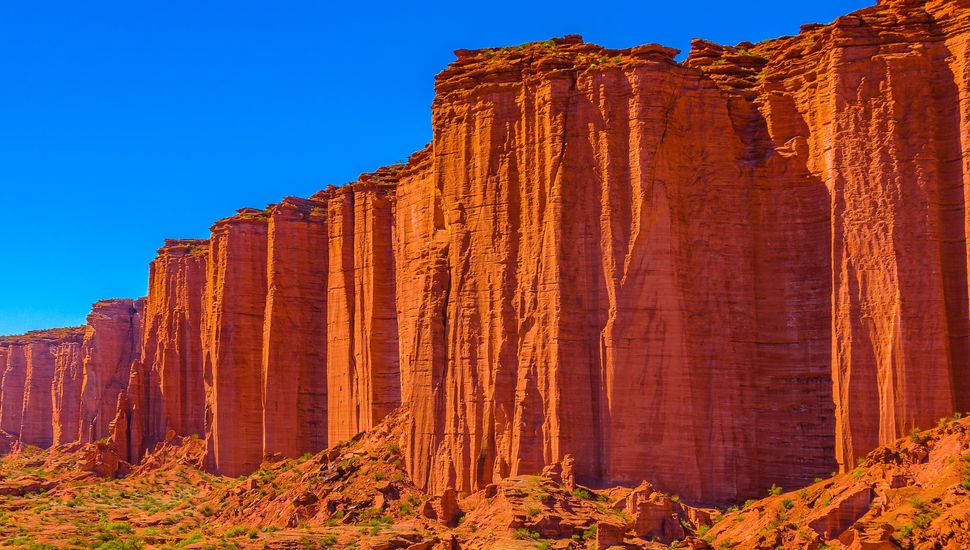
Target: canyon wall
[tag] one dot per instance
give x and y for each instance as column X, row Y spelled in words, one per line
column 112, row 342
column 232, row 338
column 40, row 386
column 294, row 362
column 166, row 389
column 66, row 391
column 744, row 269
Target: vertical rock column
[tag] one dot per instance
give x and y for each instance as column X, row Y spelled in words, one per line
column 14, row 376
column 235, row 305
column 375, row 315
column 111, row 343
column 68, row 378
column 362, row 354
column 898, row 234
column 36, row 421
column 295, row 331
column 169, row 389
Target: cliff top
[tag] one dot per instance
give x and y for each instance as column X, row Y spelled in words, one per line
column 68, row 334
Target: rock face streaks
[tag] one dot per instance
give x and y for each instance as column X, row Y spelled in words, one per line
column 66, row 390
column 883, row 131
column 294, row 362
column 235, row 303
column 112, row 341
column 170, row 392
column 14, row 376
column 743, row 269
column 362, row 352
column 36, row 427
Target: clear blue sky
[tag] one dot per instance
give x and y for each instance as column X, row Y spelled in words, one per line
column 123, row 123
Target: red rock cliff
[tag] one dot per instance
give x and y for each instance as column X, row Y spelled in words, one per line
column 66, row 390
column 362, row 355
column 112, row 341
column 37, row 426
column 34, row 392
column 622, row 249
column 232, row 340
column 294, row 363
column 738, row 270
column 169, row 392
column 12, row 392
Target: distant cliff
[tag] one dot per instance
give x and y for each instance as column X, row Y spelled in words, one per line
column 747, row 268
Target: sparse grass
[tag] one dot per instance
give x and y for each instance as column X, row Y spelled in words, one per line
column 525, row 534
column 774, row 490
column 235, row 531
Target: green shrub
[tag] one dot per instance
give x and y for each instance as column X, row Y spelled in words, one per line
column 524, row 534
column 235, row 531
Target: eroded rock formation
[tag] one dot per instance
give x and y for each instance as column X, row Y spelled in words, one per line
column 294, row 367
column 169, row 392
column 742, row 269
column 232, row 339
column 112, row 342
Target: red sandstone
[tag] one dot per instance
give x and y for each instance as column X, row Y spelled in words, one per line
column 747, row 268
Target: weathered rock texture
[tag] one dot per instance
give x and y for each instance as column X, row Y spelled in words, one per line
column 66, row 390
column 169, row 392
column 40, row 385
column 295, row 330
column 36, row 427
column 737, row 270
column 232, row 339
column 362, row 353
column 14, row 376
column 112, row 341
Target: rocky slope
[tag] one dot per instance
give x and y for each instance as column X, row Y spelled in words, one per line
column 745, row 269
column 913, row 493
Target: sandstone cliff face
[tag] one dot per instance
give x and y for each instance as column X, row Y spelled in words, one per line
column 232, row 340
column 592, row 282
column 362, row 357
column 112, row 341
column 625, row 249
column 14, row 376
column 36, row 427
column 294, row 362
column 169, row 392
column 37, row 386
column 66, row 391
column 739, row 270
column 883, row 132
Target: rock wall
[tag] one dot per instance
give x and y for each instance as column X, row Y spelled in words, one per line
column 294, row 363
column 169, row 392
column 363, row 370
column 232, row 340
column 742, row 269
column 66, row 391
column 14, row 376
column 36, row 427
column 39, row 385
column 112, row 341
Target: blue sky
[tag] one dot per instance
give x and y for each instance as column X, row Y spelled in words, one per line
column 123, row 123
